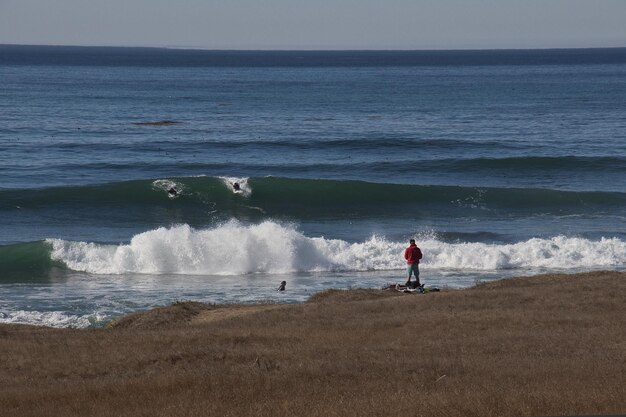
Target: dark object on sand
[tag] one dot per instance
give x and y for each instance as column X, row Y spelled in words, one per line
column 282, row 286
column 414, row 285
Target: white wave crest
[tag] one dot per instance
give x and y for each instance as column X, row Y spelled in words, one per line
column 271, row 247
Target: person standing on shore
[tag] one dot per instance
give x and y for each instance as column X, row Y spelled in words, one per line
column 413, row 254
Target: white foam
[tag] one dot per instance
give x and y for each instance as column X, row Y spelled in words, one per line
column 244, row 188
column 50, row 319
column 559, row 252
column 271, row 247
column 167, row 185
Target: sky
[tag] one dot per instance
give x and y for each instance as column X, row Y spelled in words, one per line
column 316, row 24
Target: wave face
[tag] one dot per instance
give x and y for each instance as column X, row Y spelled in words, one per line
column 271, row 247
column 287, row 196
column 27, row 261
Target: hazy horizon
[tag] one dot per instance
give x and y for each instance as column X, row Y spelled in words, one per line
column 324, row 25
column 192, row 48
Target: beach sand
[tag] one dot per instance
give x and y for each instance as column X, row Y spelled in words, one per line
column 533, row 346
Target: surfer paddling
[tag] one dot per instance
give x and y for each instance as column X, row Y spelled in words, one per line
column 413, row 254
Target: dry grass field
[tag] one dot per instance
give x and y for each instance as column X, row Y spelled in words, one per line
column 540, row 346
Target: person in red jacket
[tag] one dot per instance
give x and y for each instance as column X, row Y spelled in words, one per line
column 413, row 254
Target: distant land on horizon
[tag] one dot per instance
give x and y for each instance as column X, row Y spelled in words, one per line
column 197, row 48
column 14, row 54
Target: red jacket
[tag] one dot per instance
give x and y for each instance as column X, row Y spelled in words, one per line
column 412, row 254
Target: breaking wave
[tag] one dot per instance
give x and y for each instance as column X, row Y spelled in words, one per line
column 271, row 247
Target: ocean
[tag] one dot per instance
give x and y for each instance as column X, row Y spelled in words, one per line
column 117, row 168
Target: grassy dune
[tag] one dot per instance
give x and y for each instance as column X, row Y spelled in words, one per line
column 545, row 345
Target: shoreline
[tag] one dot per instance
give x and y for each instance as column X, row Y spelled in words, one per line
column 542, row 345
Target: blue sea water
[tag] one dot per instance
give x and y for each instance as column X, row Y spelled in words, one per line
column 499, row 163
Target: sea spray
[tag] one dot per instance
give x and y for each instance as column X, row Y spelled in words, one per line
column 234, row 248
column 230, row 249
